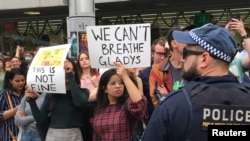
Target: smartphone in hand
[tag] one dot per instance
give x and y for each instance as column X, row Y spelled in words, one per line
column 235, row 15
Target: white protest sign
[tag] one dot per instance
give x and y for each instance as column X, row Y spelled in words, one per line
column 129, row 44
column 46, row 72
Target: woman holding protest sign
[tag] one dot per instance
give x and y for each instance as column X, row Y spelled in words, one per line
column 65, row 110
column 119, row 104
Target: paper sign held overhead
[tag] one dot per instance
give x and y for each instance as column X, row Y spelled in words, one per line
column 129, row 44
column 46, row 72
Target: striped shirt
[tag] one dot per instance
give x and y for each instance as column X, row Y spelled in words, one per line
column 9, row 123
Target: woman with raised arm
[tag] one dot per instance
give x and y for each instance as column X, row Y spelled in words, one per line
column 119, row 102
column 65, row 110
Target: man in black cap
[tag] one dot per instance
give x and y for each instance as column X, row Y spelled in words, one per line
column 211, row 96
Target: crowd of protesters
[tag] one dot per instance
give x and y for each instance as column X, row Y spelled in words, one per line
column 107, row 106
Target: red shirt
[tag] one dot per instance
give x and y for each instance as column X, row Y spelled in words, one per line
column 110, row 123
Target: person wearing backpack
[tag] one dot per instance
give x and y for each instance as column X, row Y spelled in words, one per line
column 187, row 113
column 165, row 77
column 159, row 51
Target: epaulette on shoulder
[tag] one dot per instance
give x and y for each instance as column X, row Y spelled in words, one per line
column 245, row 87
column 169, row 95
column 192, row 88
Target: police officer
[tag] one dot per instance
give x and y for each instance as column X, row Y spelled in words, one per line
column 186, row 114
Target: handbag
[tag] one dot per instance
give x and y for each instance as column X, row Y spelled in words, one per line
column 43, row 128
column 14, row 138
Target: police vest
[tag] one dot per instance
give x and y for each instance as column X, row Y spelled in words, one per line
column 211, row 105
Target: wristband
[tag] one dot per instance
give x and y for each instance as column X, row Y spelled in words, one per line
column 245, row 36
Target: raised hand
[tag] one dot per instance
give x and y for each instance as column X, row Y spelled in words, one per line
column 68, row 67
column 29, row 93
column 120, row 70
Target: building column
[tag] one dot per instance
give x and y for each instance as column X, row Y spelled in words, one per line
column 81, row 15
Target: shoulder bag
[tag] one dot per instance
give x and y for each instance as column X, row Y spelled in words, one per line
column 14, row 138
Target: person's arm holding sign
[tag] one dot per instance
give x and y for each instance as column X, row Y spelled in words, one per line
column 134, row 93
column 80, row 96
column 39, row 115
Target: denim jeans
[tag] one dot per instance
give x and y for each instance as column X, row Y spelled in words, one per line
column 29, row 135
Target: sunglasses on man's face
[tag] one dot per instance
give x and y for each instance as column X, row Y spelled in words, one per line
column 187, row 52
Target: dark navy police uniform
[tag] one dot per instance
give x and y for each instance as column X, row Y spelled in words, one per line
column 170, row 120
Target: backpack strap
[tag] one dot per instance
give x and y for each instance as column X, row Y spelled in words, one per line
column 245, row 86
column 189, row 90
column 192, row 88
column 157, row 79
column 190, row 114
column 9, row 102
column 195, row 87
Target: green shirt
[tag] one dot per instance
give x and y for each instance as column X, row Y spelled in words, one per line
column 237, row 69
column 2, row 75
column 68, row 109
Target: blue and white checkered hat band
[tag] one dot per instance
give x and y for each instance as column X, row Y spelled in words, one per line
column 214, row 51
